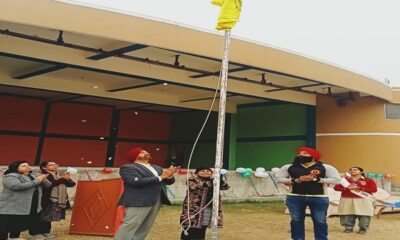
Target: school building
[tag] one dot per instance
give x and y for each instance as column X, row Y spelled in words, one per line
column 81, row 86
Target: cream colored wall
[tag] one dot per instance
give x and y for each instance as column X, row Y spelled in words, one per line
column 368, row 140
column 396, row 95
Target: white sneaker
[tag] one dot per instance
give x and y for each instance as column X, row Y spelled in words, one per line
column 37, row 237
column 48, row 235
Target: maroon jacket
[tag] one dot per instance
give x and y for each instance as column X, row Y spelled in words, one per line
column 364, row 184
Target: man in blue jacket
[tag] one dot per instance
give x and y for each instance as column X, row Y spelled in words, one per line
column 144, row 192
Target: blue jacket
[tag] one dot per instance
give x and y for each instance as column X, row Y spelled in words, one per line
column 141, row 187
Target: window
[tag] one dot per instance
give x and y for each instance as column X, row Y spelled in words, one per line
column 392, row 111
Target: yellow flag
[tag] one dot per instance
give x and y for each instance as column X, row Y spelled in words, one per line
column 229, row 14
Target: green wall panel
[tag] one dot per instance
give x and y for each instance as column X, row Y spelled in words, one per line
column 186, row 126
column 277, row 120
column 204, row 154
column 232, row 142
column 266, row 154
column 283, row 120
column 271, row 120
column 184, row 130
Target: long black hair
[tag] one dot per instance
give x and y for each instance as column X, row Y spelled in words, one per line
column 13, row 167
column 43, row 165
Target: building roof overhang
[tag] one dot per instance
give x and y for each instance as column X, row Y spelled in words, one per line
column 55, row 46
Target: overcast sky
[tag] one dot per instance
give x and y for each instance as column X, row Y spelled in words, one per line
column 359, row 35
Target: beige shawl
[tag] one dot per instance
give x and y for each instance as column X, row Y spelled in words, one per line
column 59, row 193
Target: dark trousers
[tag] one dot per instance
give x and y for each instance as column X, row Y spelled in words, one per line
column 348, row 221
column 13, row 225
column 37, row 226
column 195, row 234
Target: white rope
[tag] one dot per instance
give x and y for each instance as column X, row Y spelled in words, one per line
column 194, row 216
column 185, row 230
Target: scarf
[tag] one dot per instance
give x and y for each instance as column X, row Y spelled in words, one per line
column 59, row 193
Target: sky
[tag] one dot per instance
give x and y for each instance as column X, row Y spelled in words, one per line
column 362, row 36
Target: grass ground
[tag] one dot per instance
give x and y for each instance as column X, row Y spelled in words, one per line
column 252, row 221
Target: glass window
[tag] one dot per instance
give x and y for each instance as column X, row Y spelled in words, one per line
column 392, row 111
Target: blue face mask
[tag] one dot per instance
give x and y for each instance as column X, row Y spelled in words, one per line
column 302, row 159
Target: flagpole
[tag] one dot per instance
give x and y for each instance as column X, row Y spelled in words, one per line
column 220, row 136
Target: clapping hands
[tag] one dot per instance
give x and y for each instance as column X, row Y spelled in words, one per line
column 353, row 186
column 66, row 176
column 306, row 178
column 41, row 177
column 169, row 172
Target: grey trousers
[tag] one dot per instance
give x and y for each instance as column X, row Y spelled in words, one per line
column 137, row 222
column 348, row 221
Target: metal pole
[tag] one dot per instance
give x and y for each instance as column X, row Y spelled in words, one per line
column 220, row 137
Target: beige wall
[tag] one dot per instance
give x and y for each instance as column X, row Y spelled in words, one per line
column 358, row 135
column 396, row 95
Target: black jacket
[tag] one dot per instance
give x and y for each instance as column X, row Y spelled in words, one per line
column 309, row 188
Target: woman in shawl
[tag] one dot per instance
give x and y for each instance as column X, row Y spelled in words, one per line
column 54, row 200
column 199, row 204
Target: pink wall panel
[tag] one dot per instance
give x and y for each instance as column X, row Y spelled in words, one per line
column 26, row 115
column 21, row 114
column 14, row 148
column 79, row 119
column 159, row 157
column 74, row 152
column 144, row 125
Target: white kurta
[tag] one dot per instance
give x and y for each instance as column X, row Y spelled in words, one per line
column 356, row 206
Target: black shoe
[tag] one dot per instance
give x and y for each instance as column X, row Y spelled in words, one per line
column 362, row 231
column 348, row 230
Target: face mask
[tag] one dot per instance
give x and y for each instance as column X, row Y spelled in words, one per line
column 302, row 159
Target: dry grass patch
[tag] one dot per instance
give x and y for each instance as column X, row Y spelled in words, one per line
column 253, row 221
